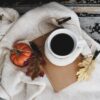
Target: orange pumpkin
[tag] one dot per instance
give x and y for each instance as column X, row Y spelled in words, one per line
column 21, row 54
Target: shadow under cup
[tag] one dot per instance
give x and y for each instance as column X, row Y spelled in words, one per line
column 62, row 44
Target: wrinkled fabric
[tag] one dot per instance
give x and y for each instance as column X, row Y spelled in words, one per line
column 8, row 17
column 15, row 85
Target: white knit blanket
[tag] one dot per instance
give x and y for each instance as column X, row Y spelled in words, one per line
column 15, row 85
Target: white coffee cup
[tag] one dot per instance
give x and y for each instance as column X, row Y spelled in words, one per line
column 62, row 60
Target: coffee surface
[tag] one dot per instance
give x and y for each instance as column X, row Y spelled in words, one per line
column 62, row 44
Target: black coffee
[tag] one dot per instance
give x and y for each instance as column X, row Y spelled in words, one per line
column 62, row 44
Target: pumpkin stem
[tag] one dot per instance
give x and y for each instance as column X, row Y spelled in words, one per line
column 18, row 52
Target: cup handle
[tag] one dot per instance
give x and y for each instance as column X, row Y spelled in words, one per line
column 86, row 50
column 81, row 43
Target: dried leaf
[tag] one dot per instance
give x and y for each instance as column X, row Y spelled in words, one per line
column 86, row 68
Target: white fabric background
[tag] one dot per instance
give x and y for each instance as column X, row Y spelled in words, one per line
column 16, row 86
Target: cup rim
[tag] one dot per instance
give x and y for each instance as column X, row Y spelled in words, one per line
column 62, row 31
